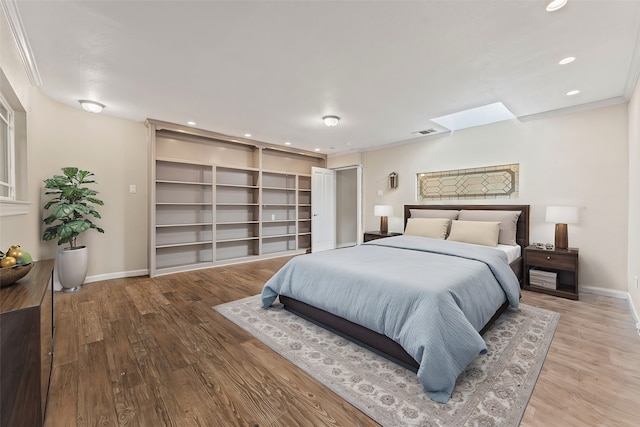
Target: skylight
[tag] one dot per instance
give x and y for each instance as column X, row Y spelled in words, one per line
column 477, row 116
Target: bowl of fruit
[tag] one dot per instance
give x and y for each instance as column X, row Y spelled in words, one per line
column 14, row 265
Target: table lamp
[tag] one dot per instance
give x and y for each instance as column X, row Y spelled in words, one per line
column 383, row 211
column 561, row 216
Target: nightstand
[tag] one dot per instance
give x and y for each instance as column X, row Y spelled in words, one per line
column 561, row 263
column 373, row 235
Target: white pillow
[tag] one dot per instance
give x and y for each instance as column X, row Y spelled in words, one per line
column 435, row 228
column 477, row 232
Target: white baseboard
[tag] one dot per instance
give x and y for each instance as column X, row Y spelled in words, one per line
column 614, row 294
column 118, row 275
column 606, row 292
column 346, row 245
column 100, row 277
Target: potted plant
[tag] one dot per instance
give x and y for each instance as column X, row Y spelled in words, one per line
column 71, row 212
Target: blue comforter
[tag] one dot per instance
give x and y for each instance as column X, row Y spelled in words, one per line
column 430, row 296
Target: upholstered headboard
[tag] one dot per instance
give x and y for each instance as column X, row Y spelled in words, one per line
column 522, row 227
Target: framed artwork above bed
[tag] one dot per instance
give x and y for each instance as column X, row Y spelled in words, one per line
column 490, row 182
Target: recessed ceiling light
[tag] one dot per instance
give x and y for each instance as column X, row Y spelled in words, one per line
column 555, row 5
column 317, row 149
column 287, row 143
column 567, row 60
column 91, row 106
column 248, row 135
column 191, row 123
column 573, row 92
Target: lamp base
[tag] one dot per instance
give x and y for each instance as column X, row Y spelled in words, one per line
column 562, row 239
column 384, row 224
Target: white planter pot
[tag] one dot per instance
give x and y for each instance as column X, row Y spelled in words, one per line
column 72, row 267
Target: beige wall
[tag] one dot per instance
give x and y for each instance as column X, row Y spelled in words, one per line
column 342, row 160
column 572, row 159
column 116, row 151
column 634, row 199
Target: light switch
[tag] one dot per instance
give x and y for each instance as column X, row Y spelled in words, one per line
column 133, row 189
column 380, row 192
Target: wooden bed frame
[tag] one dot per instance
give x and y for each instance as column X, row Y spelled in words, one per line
column 380, row 343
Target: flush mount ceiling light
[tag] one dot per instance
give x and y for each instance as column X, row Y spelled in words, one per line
column 331, row 120
column 478, row 116
column 555, row 5
column 91, row 106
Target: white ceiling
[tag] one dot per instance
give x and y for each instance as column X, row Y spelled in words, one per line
column 274, row 68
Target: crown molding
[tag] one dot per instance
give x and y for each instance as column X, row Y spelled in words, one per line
column 574, row 108
column 634, row 69
column 10, row 9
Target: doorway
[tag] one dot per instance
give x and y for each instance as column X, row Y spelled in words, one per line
column 337, row 207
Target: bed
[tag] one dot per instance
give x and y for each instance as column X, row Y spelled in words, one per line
column 421, row 302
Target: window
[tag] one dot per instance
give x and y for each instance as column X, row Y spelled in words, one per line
column 13, row 152
column 7, row 150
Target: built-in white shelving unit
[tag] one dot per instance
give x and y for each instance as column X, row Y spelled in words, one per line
column 216, row 201
column 237, row 213
column 279, row 202
column 304, row 211
column 183, row 214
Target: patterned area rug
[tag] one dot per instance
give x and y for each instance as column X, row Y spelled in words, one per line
column 492, row 391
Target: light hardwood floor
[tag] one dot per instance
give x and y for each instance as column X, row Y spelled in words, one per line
column 152, row 352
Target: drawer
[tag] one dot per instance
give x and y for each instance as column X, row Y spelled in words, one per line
column 552, row 260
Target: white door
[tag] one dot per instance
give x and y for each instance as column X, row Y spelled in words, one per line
column 323, row 209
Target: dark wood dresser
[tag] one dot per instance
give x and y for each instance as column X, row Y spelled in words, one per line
column 26, row 347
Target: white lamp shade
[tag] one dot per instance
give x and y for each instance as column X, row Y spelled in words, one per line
column 562, row 214
column 383, row 210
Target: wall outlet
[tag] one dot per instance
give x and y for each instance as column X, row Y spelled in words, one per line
column 133, row 189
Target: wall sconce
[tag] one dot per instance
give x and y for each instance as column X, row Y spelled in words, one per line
column 383, row 211
column 393, row 180
column 562, row 215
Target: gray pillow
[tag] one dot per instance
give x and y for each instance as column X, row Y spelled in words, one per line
column 508, row 222
column 434, row 213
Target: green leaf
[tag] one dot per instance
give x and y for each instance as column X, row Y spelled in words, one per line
column 70, row 172
column 63, row 211
column 50, row 233
column 72, row 205
column 48, row 220
column 96, row 201
column 78, row 226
